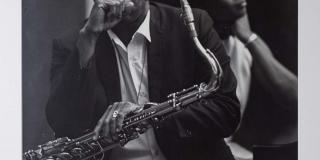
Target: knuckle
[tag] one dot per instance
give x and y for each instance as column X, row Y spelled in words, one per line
column 115, row 103
column 121, row 114
column 121, row 108
column 112, row 120
column 118, row 124
column 109, row 108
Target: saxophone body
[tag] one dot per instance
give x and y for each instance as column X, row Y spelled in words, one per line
column 86, row 148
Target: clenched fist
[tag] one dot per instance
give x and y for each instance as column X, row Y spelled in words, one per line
column 105, row 14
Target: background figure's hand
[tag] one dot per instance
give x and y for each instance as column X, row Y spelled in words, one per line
column 111, row 121
column 242, row 28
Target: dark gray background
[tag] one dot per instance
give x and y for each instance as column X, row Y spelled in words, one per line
column 42, row 20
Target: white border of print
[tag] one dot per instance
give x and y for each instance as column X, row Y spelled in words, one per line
column 309, row 78
column 10, row 80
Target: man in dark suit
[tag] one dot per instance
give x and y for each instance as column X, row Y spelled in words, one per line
column 130, row 52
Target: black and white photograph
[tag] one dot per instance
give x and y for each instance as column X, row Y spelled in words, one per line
column 159, row 80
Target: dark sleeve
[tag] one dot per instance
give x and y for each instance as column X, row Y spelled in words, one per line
column 68, row 108
column 218, row 114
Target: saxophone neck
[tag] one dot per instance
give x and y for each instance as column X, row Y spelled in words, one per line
column 215, row 68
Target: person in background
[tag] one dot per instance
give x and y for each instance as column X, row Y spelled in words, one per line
column 250, row 56
column 282, row 84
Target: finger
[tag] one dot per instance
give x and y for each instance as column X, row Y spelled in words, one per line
column 113, row 13
column 115, row 120
column 112, row 131
column 124, row 110
column 120, row 9
column 128, row 7
column 135, row 108
column 101, row 4
column 120, row 118
column 106, row 4
column 109, row 121
column 112, row 9
column 110, row 16
column 119, row 123
column 101, row 123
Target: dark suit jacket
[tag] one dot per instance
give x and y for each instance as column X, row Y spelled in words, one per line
column 79, row 97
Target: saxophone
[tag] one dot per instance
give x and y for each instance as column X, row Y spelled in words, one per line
column 86, row 148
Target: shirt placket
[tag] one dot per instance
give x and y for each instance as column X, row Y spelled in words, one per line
column 136, row 62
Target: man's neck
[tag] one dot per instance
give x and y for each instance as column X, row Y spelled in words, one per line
column 126, row 28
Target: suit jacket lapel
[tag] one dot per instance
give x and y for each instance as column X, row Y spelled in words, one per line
column 107, row 68
column 155, row 59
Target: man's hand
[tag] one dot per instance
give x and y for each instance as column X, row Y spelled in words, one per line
column 242, row 28
column 105, row 14
column 111, row 121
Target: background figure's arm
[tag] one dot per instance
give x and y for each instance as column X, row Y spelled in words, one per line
column 272, row 75
column 277, row 79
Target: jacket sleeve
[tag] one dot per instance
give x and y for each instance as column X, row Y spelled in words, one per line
column 69, row 105
column 218, row 114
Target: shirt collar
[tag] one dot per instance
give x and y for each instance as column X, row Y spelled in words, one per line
column 144, row 29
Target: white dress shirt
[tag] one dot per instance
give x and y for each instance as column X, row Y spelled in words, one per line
column 133, row 73
column 240, row 62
